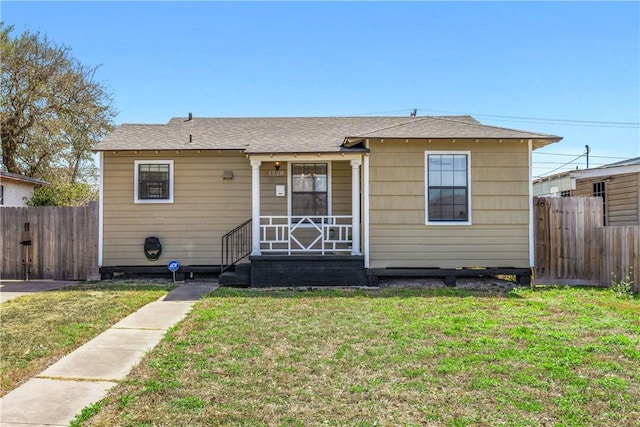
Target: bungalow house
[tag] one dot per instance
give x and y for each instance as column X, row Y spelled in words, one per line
column 16, row 190
column 318, row 201
column 617, row 183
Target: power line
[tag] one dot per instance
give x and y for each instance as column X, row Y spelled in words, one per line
column 566, row 164
column 572, row 155
column 561, row 163
column 567, row 122
column 542, row 119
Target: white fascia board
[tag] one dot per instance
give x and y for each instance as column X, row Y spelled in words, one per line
column 532, row 247
column 306, row 157
column 599, row 172
column 100, row 208
column 365, row 208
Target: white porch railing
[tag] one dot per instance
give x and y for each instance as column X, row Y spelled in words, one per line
column 311, row 234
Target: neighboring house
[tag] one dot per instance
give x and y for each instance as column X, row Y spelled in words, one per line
column 617, row 183
column 318, row 200
column 556, row 185
column 16, row 190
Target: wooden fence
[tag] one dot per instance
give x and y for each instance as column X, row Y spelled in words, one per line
column 573, row 247
column 55, row 243
column 621, row 255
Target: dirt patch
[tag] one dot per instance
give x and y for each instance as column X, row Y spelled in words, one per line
column 475, row 284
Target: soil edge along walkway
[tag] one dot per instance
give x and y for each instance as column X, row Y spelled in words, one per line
column 58, row 394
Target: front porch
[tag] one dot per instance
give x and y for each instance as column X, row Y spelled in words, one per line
column 300, row 251
column 305, row 224
column 307, row 205
column 307, row 251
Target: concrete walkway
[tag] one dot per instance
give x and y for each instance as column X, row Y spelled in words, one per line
column 58, row 394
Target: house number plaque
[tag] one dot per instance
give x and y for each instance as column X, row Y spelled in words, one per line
column 277, row 173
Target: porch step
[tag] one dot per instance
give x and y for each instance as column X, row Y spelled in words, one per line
column 239, row 276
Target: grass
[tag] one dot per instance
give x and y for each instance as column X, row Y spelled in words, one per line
column 37, row 330
column 564, row 357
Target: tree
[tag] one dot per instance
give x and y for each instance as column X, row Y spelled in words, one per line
column 52, row 111
column 78, row 194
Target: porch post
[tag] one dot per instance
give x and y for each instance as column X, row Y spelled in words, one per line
column 355, row 206
column 255, row 207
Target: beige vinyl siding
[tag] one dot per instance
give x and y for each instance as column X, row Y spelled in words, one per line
column 341, row 188
column 270, row 204
column 205, row 207
column 499, row 233
column 622, row 197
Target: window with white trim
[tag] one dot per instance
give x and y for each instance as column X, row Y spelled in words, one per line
column 309, row 189
column 153, row 181
column 448, row 187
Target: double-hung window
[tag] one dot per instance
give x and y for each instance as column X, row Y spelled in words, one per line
column 448, row 187
column 153, row 181
column 309, row 190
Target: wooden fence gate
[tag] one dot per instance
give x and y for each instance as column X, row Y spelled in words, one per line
column 572, row 245
column 53, row 243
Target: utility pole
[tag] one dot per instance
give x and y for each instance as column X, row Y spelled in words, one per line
column 587, row 153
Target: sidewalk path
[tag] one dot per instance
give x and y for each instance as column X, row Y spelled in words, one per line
column 58, row 394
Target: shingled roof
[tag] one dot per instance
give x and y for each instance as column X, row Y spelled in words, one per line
column 21, row 178
column 301, row 134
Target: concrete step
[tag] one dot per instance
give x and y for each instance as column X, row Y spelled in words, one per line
column 239, row 276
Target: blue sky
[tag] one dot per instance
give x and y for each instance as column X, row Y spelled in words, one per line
column 507, row 63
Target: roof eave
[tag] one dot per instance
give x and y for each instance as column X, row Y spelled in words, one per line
column 543, row 142
column 340, row 150
column 23, row 179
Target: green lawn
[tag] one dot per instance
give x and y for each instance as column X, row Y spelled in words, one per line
column 37, row 330
column 565, row 357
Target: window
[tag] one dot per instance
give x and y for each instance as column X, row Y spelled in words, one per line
column 309, row 189
column 599, row 190
column 565, row 193
column 1, row 194
column 153, row 181
column 447, row 187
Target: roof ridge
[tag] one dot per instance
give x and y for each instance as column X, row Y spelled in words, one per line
column 417, row 119
column 477, row 123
